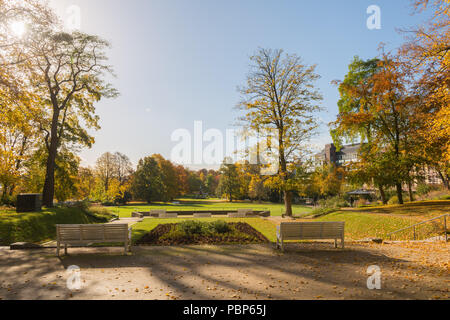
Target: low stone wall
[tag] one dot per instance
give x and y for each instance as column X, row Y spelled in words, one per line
column 213, row 212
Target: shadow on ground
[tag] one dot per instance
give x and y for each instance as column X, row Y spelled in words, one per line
column 305, row 271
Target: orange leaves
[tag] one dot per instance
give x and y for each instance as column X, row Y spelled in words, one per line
column 428, row 53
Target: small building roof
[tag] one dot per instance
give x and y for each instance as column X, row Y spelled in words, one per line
column 361, row 192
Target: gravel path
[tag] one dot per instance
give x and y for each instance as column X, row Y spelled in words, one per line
column 305, row 271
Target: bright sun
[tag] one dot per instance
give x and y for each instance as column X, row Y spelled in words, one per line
column 18, row 28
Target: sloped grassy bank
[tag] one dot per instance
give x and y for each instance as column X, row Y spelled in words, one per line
column 38, row 227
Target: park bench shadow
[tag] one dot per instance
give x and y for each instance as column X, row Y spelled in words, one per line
column 298, row 260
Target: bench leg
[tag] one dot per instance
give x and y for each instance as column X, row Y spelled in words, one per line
column 343, row 243
column 57, row 248
column 335, row 243
column 65, row 249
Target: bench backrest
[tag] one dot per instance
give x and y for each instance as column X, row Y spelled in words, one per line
column 168, row 215
column 312, row 230
column 94, row 232
column 245, row 211
column 237, row 215
column 158, row 212
column 202, row 215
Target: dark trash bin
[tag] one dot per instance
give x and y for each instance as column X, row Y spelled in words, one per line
column 29, row 202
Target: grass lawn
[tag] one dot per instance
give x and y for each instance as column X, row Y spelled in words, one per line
column 359, row 225
column 369, row 222
column 379, row 221
column 38, row 227
column 196, row 204
column 266, row 227
column 421, row 209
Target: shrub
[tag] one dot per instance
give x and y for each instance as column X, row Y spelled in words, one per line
column 191, row 227
column 195, row 227
column 9, row 200
column 219, row 226
column 393, row 200
column 108, row 204
column 423, row 189
column 174, row 234
column 335, row 202
column 83, row 205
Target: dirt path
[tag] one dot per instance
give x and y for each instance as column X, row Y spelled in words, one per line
column 305, row 271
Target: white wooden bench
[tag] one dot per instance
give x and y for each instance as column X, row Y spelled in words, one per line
column 245, row 211
column 310, row 231
column 84, row 234
column 202, row 215
column 168, row 215
column 237, row 214
column 157, row 212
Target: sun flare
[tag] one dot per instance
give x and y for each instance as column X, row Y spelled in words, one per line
column 18, row 28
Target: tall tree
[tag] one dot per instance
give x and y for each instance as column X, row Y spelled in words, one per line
column 182, row 180
column 355, row 92
column 18, row 139
column 85, row 183
column 256, row 189
column 169, row 178
column 229, row 181
column 377, row 107
column 124, row 167
column 147, row 183
column 106, row 169
column 280, row 95
column 67, row 70
column 427, row 54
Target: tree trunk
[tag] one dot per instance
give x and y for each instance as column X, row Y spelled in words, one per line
column 288, row 203
column 49, row 184
column 11, row 190
column 383, row 195
column 444, row 180
column 411, row 195
column 283, row 172
column 399, row 193
column 5, row 187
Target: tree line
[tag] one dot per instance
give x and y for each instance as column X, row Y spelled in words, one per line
column 396, row 104
column 50, row 81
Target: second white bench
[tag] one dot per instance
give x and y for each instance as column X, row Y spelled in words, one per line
column 310, row 231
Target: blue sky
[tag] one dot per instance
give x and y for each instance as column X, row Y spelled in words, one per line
column 178, row 61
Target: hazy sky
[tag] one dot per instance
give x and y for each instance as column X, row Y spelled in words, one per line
column 178, row 61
